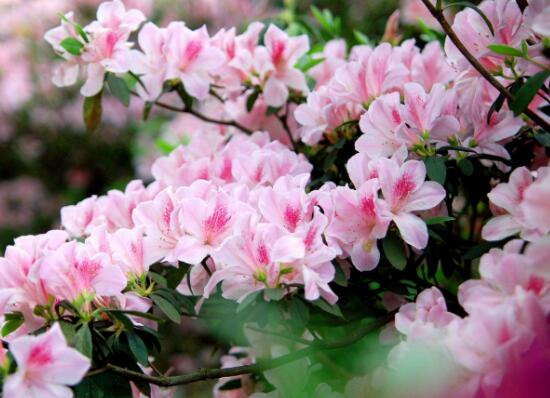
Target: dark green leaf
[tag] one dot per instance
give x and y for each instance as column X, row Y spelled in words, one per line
column 185, row 96
column 394, row 249
column 158, row 278
column 436, row 168
column 119, row 89
column 251, row 100
column 72, row 45
column 479, row 250
column 167, row 308
column 505, row 50
column 298, row 311
column 528, row 91
column 147, row 109
column 340, row 277
column 466, row 167
column 92, row 112
column 495, row 107
column 104, row 385
column 333, row 309
column 248, row 300
column 274, row 294
column 137, row 314
column 83, row 340
column 231, row 385
column 440, row 220
column 11, row 326
column 69, row 331
column 543, row 139
column 138, row 348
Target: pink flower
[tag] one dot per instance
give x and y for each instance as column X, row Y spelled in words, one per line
column 537, row 15
column 74, row 270
column 258, row 257
column 151, row 64
column 283, row 52
column 78, row 219
column 377, row 71
column 112, row 15
column 405, row 191
column 535, row 205
column 430, row 310
column 359, row 220
column 334, row 56
column 192, row 58
column 507, row 21
column 430, row 67
column 45, row 366
column 388, row 125
column 510, row 219
column 129, row 251
column 20, row 285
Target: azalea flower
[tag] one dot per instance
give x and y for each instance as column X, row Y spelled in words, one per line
column 405, row 191
column 46, row 366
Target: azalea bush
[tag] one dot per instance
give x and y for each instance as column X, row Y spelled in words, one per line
column 354, row 219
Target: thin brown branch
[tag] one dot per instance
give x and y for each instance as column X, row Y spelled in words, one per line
column 205, row 374
column 438, row 14
column 200, row 116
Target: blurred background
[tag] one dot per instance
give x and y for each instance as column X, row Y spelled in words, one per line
column 48, row 159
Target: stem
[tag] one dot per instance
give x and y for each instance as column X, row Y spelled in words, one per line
column 200, row 116
column 438, row 14
column 204, row 374
column 284, row 122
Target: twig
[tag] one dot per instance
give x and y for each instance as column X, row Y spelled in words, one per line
column 201, row 116
column 204, row 374
column 438, row 14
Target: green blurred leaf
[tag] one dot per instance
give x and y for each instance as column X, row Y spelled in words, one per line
column 332, row 309
column 248, row 300
column 439, row 220
column 394, row 249
column 466, row 167
column 72, row 45
column 83, row 340
column 251, row 100
column 138, row 348
column 92, row 112
column 119, row 89
column 436, row 168
column 166, row 307
column 505, row 50
column 528, row 91
column 543, row 139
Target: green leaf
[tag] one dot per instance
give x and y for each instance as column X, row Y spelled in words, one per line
column 543, row 139
column 119, row 89
column 394, row 249
column 272, row 110
column 479, row 250
column 137, row 314
column 436, row 168
column 439, row 220
column 251, row 100
column 11, row 326
column 466, row 167
column 72, row 45
column 476, row 9
column 167, row 308
column 298, row 311
column 333, row 309
column 248, row 300
column 69, row 331
column 158, row 278
column 361, row 38
column 164, row 146
column 528, row 91
column 83, row 340
column 505, row 50
column 339, row 276
column 92, row 112
column 274, row 294
column 147, row 109
column 185, row 96
column 138, row 348
column 104, row 385
column 307, row 62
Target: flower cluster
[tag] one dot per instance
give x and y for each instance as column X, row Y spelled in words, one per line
column 403, row 153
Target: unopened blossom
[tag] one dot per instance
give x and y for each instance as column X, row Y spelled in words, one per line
column 46, row 366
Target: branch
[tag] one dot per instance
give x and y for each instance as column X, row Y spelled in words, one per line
column 200, row 116
column 438, row 14
column 204, row 374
